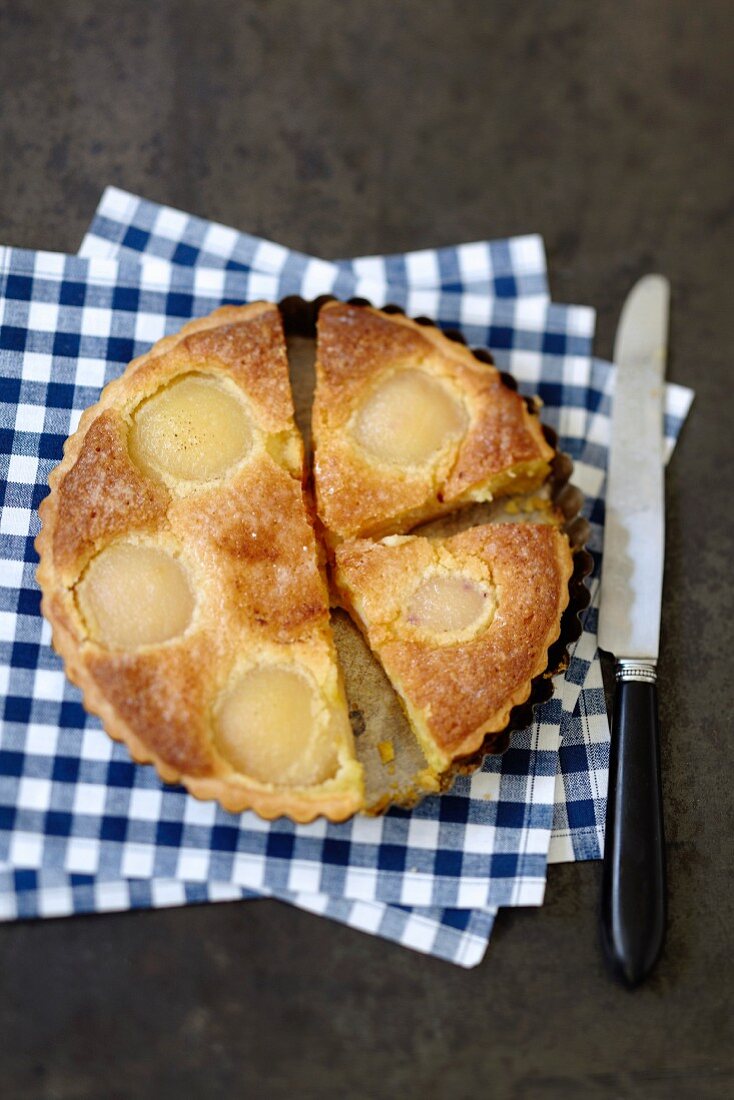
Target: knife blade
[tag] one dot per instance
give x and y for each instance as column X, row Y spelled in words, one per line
column 634, row 889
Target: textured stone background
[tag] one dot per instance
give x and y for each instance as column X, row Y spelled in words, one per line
column 345, row 128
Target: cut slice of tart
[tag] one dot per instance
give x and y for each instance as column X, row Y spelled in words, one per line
column 181, row 577
column 461, row 625
column 408, row 425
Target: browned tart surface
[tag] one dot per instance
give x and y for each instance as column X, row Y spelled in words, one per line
column 408, row 424
column 461, row 625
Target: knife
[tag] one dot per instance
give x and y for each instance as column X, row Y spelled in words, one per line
column 633, row 913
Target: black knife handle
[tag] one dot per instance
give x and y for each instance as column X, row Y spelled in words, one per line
column 633, row 889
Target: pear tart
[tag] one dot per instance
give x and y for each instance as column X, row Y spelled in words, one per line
column 461, row 625
column 408, row 425
column 181, row 577
column 185, row 586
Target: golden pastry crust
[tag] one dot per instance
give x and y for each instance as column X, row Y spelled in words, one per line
column 502, row 450
column 247, row 547
column 457, row 691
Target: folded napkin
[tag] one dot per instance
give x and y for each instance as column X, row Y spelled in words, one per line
column 128, row 224
column 513, row 268
column 82, row 828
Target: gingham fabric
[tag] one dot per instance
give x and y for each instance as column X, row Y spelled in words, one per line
column 65, row 797
column 71, row 801
column 512, row 268
column 456, row 935
column 127, row 224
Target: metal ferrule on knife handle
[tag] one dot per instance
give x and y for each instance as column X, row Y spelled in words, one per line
column 642, row 671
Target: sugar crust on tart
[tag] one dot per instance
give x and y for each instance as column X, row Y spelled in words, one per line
column 180, row 573
column 459, row 666
column 408, row 425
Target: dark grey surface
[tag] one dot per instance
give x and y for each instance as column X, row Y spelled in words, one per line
column 346, row 128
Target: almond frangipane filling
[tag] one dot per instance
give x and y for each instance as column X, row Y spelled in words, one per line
column 132, row 595
column 407, row 419
column 191, row 430
column 269, row 726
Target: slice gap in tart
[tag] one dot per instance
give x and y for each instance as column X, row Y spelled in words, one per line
column 181, row 575
column 461, row 625
column 408, row 424
column 395, row 769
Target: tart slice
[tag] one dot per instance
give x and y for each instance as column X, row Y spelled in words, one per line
column 461, row 625
column 181, row 576
column 408, row 424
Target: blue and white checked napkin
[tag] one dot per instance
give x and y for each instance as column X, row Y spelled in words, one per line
column 81, row 827
column 127, row 224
